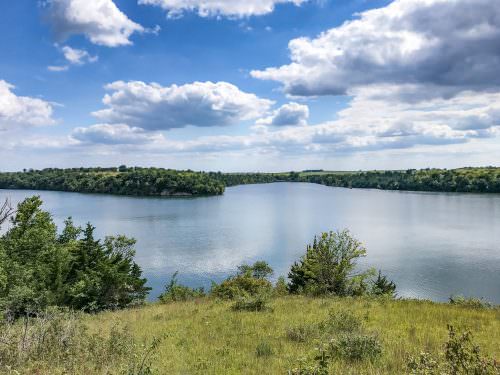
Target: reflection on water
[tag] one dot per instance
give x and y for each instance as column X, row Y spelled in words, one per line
column 432, row 244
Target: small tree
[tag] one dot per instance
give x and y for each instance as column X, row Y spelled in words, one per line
column 176, row 292
column 382, row 286
column 328, row 266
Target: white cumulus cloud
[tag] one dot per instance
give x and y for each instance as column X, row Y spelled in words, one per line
column 154, row 107
column 20, row 111
column 77, row 56
column 210, row 8
column 99, row 20
column 291, row 114
column 439, row 47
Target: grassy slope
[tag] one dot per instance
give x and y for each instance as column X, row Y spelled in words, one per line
column 206, row 337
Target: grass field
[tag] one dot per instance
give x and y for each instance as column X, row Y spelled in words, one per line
column 206, row 337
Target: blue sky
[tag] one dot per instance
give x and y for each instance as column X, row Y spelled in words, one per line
column 249, row 85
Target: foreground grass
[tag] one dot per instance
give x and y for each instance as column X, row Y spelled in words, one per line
column 206, row 337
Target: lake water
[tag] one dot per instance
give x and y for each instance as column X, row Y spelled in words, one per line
column 432, row 245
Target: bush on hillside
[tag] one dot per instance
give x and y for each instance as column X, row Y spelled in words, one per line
column 328, row 267
column 250, row 281
column 382, row 286
column 470, row 302
column 461, row 357
column 175, row 292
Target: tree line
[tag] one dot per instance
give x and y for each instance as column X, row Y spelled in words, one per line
column 167, row 182
column 122, row 181
column 467, row 180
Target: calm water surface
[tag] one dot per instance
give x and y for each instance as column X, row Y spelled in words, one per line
column 432, row 245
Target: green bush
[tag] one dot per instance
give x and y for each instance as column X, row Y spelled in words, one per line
column 382, row 286
column 328, row 267
column 461, row 357
column 339, row 321
column 175, row 292
column 257, row 302
column 474, row 303
column 355, row 347
column 248, row 282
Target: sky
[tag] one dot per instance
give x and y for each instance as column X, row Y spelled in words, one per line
column 250, row 85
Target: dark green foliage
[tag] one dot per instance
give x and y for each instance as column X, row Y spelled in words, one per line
column 477, row 180
column 121, row 181
column 382, row 286
column 38, row 268
column 249, row 281
column 461, row 357
column 176, row 292
column 328, row 266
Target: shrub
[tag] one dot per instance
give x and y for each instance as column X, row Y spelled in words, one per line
column 328, row 266
column 382, row 286
column 474, row 303
column 341, row 321
column 461, row 357
column 257, row 302
column 264, row 349
column 175, row 292
column 356, row 347
column 249, row 281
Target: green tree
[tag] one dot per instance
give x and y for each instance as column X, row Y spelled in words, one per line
column 328, row 267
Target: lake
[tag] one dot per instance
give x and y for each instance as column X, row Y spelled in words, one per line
column 432, row 245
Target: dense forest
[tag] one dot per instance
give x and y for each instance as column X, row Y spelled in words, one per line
column 121, row 180
column 473, row 180
column 167, row 182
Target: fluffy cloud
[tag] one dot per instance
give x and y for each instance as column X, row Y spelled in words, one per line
column 368, row 124
column 435, row 47
column 113, row 135
column 77, row 56
column 19, row 111
column 291, row 114
column 154, row 107
column 99, row 20
column 228, row 8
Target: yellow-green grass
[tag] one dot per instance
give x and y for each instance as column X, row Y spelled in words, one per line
column 207, row 337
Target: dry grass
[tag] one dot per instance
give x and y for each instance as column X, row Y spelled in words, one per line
column 207, row 337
